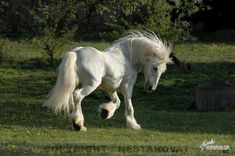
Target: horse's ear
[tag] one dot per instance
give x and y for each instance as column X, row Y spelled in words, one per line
column 178, row 62
column 175, row 59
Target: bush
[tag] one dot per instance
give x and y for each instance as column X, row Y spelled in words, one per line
column 3, row 51
column 95, row 18
column 50, row 46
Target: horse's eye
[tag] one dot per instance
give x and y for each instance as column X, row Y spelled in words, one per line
column 154, row 68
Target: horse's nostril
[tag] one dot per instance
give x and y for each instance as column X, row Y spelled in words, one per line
column 149, row 88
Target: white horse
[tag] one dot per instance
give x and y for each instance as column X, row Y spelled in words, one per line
column 85, row 69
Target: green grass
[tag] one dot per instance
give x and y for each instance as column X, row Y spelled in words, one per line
column 168, row 116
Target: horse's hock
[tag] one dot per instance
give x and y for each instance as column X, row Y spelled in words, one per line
column 215, row 97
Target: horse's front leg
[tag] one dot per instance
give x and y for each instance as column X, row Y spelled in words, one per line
column 107, row 109
column 129, row 109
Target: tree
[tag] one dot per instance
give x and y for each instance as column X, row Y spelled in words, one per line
column 94, row 18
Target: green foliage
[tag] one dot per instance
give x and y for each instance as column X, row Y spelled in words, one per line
column 2, row 53
column 50, row 46
column 156, row 17
column 94, row 18
column 184, row 11
column 4, row 48
column 54, row 15
column 30, row 18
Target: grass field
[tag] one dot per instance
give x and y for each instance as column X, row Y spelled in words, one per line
column 171, row 124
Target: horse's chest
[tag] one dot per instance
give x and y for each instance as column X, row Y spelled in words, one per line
column 114, row 72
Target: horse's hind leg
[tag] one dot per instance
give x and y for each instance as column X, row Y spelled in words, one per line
column 107, row 109
column 77, row 115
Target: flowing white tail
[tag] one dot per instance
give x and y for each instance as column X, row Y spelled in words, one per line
column 67, row 80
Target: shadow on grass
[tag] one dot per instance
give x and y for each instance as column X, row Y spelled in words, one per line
column 171, row 108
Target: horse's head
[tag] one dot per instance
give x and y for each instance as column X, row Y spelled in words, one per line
column 154, row 66
column 153, row 54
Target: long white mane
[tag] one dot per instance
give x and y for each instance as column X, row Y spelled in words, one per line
column 140, row 41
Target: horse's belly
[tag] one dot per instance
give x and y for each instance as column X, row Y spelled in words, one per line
column 110, row 84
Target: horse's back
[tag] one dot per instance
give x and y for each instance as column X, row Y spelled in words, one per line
column 90, row 63
column 89, row 55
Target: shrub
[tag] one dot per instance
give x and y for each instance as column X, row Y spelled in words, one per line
column 96, row 18
column 50, row 45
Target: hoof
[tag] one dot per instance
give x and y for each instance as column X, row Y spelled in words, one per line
column 104, row 113
column 78, row 127
column 137, row 127
column 134, row 126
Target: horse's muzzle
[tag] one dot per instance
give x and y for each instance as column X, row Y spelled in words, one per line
column 149, row 88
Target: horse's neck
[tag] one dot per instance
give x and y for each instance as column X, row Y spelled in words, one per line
column 133, row 49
